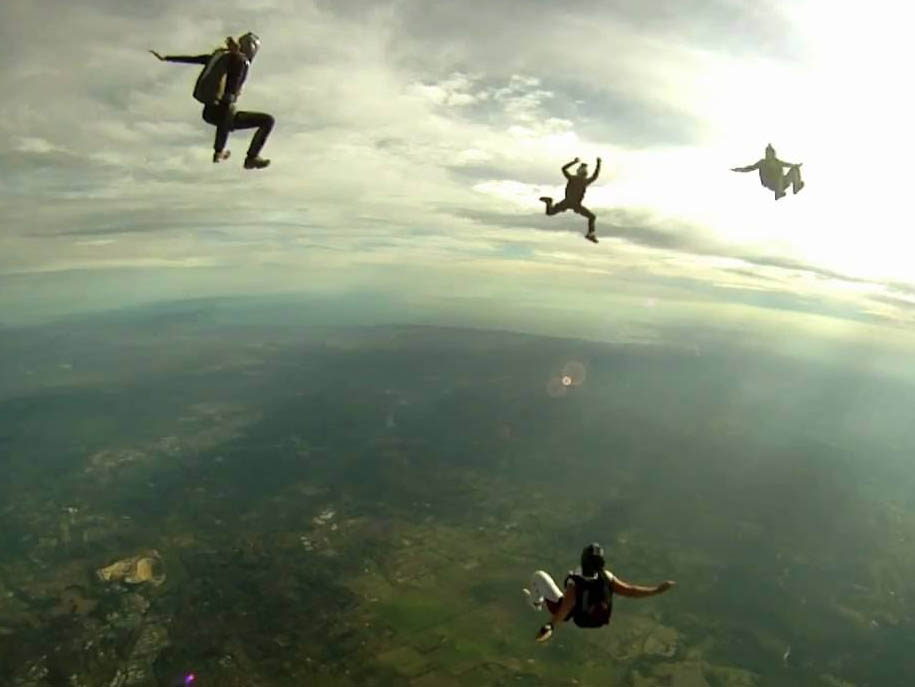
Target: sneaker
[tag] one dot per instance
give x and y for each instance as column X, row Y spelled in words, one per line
column 545, row 632
column 219, row 157
column 798, row 187
column 779, row 194
column 529, row 598
column 591, row 237
column 256, row 163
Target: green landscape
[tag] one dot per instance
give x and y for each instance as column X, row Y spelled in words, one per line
column 362, row 506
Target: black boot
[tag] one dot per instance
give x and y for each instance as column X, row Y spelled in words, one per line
column 256, row 163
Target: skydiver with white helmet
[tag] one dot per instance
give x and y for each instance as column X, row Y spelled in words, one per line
column 770, row 173
column 218, row 87
column 588, row 596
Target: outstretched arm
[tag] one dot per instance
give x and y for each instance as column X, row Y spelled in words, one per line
column 187, row 59
column 635, row 591
column 748, row 168
column 596, row 172
column 565, row 168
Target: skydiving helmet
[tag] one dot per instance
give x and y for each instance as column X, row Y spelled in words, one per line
column 592, row 560
column 582, row 169
column 249, row 44
column 770, row 150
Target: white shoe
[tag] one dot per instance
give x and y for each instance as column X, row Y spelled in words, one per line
column 536, row 604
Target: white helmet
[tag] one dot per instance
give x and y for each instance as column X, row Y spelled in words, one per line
column 249, row 44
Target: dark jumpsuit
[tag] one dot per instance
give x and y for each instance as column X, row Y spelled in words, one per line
column 217, row 113
column 575, row 193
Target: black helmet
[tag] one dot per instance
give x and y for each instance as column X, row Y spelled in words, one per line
column 592, row 560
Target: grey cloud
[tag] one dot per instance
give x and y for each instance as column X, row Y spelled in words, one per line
column 594, row 84
column 779, row 300
column 617, row 223
column 98, row 91
column 735, row 25
column 640, row 230
column 769, row 298
column 747, row 273
column 788, row 264
column 610, row 115
column 120, row 100
column 55, row 174
column 482, row 172
column 25, row 162
column 595, row 109
column 901, row 303
column 899, row 287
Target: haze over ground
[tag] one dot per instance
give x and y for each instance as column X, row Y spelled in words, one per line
column 412, row 144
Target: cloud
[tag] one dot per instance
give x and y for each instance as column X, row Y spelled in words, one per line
column 423, row 133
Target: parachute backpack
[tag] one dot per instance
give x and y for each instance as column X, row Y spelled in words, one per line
column 212, row 80
column 593, row 600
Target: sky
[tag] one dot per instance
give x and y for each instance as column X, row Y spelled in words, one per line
column 413, row 139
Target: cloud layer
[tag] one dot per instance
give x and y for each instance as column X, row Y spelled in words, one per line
column 411, row 133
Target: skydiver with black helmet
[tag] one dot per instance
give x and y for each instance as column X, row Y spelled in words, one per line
column 588, row 596
column 218, row 87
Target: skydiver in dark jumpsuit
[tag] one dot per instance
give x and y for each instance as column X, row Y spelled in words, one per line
column 770, row 173
column 221, row 112
column 575, row 193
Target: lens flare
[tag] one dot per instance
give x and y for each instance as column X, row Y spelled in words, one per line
column 575, row 372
